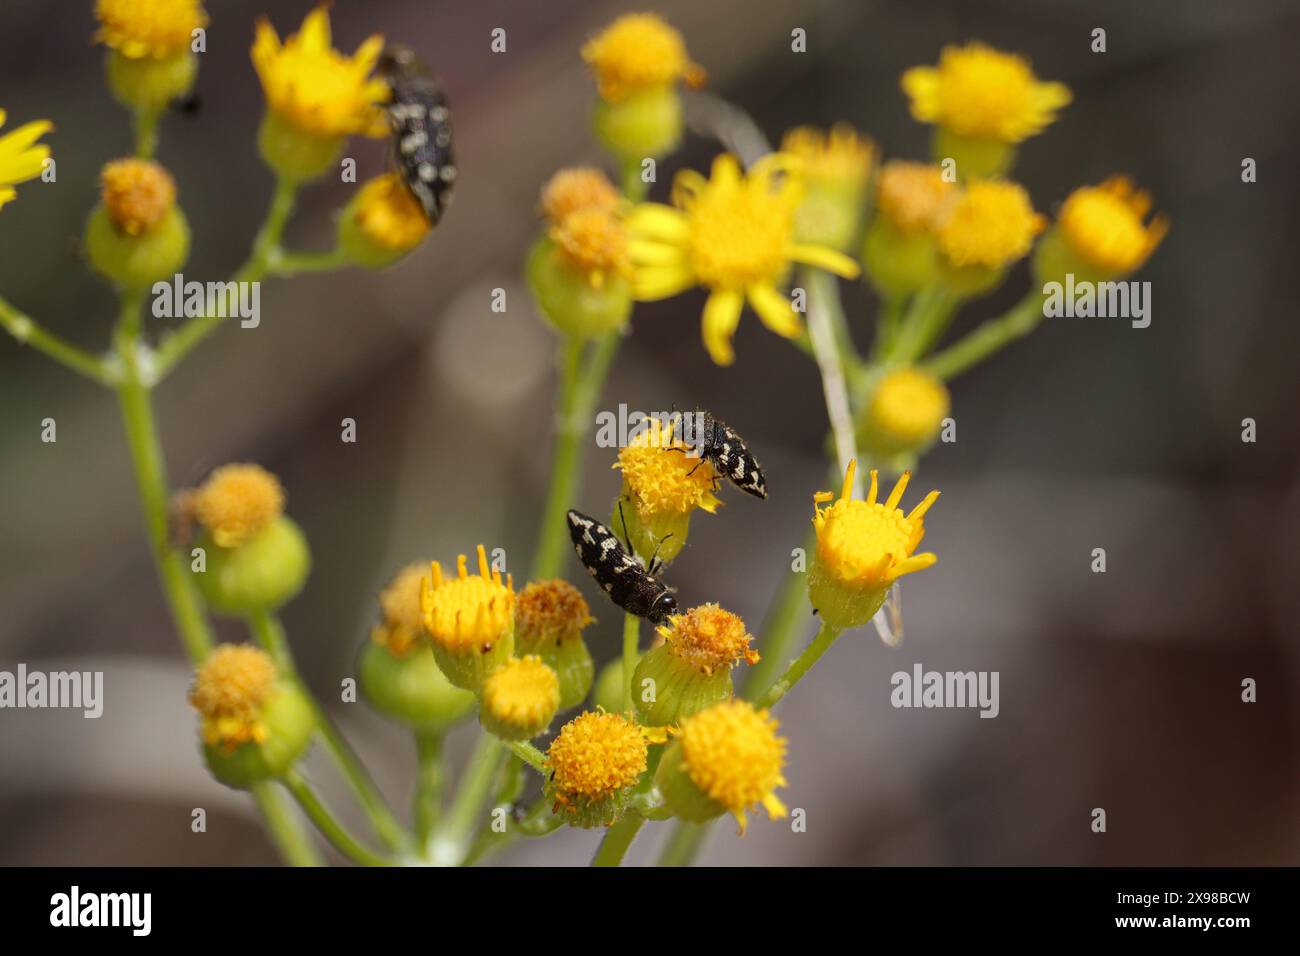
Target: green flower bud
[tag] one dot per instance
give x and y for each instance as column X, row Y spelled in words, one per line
column 691, row 670
column 643, row 125
column 151, row 84
column 264, row 572
column 975, row 158
column 294, row 153
column 571, row 302
column 899, row 263
column 411, row 689
column 549, row 619
column 902, row 415
column 254, row 725
column 137, row 234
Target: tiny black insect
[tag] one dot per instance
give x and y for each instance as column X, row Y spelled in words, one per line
column 421, row 124
column 717, row 443
column 628, row 584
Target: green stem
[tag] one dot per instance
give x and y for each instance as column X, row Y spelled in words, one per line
column 988, row 338
column 324, row 821
column 289, row 838
column 931, row 311
column 892, row 309
column 26, row 331
column 529, row 755
column 145, row 128
column 824, row 307
column 631, row 644
column 781, row 629
column 151, row 483
column 452, row 843
column 580, row 385
column 269, row 634
column 799, row 666
column 618, row 839
column 302, row 263
column 683, row 844
column 265, row 256
column 429, row 780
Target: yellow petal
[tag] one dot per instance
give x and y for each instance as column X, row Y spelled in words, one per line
column 721, row 316
column 24, row 136
column 315, row 32
column 775, row 310
column 824, row 257
column 660, row 282
column 654, row 220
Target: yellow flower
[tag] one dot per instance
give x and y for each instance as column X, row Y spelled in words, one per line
column 519, row 698
column 913, row 196
column 399, row 604
column 1103, row 225
column 990, row 225
column 21, row 157
column 580, row 187
column 836, row 165
column 592, row 764
column 593, row 241
column 137, row 194
column 230, row 691
column 470, row 619
column 637, row 53
column 904, row 412
column 148, row 29
column 982, row 93
column 237, row 501
column 734, row 234
column 734, row 756
column 863, row 547
column 382, row 222
column 315, row 88
column 709, row 639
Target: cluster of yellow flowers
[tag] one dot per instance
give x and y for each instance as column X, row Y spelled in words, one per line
column 661, row 733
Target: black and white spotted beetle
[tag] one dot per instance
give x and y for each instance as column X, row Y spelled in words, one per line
column 421, row 123
column 717, row 443
column 625, row 580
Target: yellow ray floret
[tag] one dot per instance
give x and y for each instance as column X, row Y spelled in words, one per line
column 229, row 692
column 315, row 87
column 991, row 224
column 734, row 234
column 21, row 157
column 983, row 93
column 1104, row 225
column 709, row 638
column 237, row 501
column 734, row 755
column 866, row 544
column 636, row 53
column 153, row 29
column 468, row 613
column 662, row 477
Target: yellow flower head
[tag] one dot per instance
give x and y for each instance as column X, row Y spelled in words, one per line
column 399, row 605
column 21, row 157
column 467, row 614
column 662, row 477
column 1104, row 226
column 579, row 187
column 837, row 158
column 983, row 93
column 550, row 611
column 593, row 760
column 237, row 501
column 229, row 692
column 520, row 697
column 639, row 52
column 594, row 241
column 991, row 224
column 733, row 233
column 906, row 408
column 388, row 215
column 709, row 639
column 734, row 755
column 314, row 87
column 865, row 545
column 913, row 196
column 137, row 194
column 153, row 29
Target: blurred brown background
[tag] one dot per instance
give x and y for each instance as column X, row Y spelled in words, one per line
column 1118, row 690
